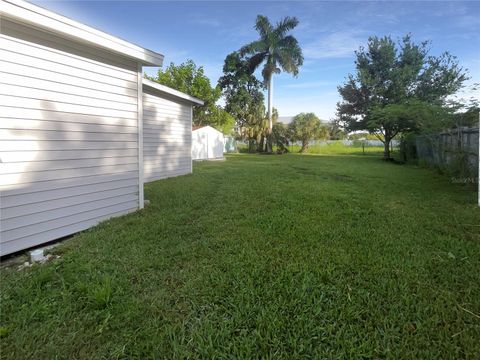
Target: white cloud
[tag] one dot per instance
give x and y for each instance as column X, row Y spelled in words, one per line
column 340, row 44
column 468, row 22
column 176, row 56
column 212, row 70
column 323, row 105
column 309, row 85
column 449, row 9
column 197, row 19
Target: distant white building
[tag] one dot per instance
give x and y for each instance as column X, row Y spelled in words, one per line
column 207, row 143
column 230, row 144
column 286, row 120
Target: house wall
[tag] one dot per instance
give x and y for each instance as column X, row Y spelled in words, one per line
column 68, row 136
column 167, row 135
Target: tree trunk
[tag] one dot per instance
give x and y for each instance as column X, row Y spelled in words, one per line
column 251, row 145
column 386, row 148
column 260, row 147
column 270, row 112
column 304, row 146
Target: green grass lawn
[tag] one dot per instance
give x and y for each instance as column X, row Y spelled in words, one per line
column 278, row 257
column 338, row 148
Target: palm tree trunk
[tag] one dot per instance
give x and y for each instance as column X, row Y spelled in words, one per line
column 270, row 112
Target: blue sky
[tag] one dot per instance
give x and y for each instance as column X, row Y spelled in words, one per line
column 328, row 32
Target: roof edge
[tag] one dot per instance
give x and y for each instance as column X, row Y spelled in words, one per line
column 200, row 127
column 173, row 92
column 35, row 15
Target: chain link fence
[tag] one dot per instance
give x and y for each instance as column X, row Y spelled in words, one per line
column 455, row 150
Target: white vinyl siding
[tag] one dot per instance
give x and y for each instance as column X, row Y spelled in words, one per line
column 167, row 135
column 68, row 137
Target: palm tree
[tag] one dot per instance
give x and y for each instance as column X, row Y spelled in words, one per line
column 255, row 125
column 274, row 48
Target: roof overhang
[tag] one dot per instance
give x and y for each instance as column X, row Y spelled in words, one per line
column 172, row 92
column 24, row 12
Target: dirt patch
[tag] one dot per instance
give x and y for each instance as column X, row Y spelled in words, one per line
column 341, row 177
column 306, row 171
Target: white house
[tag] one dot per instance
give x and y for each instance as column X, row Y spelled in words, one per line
column 72, row 143
column 167, row 135
column 207, row 143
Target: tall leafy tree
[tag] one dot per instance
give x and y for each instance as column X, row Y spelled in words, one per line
column 244, row 100
column 336, row 130
column 254, row 126
column 281, row 137
column 277, row 50
column 390, row 78
column 306, row 127
column 241, row 89
column 191, row 79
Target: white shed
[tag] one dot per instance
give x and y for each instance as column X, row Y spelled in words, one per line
column 71, row 126
column 207, row 143
column 167, row 135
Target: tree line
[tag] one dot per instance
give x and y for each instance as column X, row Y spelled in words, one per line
column 397, row 89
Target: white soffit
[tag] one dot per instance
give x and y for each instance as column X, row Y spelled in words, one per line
column 170, row 91
column 24, row 12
